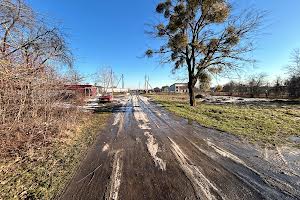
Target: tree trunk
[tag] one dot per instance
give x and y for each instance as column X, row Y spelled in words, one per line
column 191, row 92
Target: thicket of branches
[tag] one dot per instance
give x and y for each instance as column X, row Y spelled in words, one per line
column 293, row 82
column 30, row 87
column 257, row 85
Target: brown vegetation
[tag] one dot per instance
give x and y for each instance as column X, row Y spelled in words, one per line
column 30, row 86
column 41, row 139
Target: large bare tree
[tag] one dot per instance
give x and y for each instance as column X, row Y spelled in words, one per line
column 294, row 66
column 25, row 38
column 204, row 36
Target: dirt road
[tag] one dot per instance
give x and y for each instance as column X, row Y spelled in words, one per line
column 147, row 153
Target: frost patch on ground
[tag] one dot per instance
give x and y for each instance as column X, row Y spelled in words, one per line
column 158, row 113
column 139, row 115
column 117, row 119
column 134, row 100
column 287, row 158
column 123, row 102
column 226, row 154
column 144, row 99
column 201, row 184
column 115, row 178
column 105, row 147
column 144, row 126
column 210, row 154
column 153, row 149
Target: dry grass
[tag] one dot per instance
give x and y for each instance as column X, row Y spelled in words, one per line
column 262, row 124
column 42, row 173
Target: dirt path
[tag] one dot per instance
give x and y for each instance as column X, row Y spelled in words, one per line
column 147, row 153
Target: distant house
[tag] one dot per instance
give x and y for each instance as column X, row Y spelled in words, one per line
column 157, row 89
column 165, row 89
column 179, row 88
column 84, row 90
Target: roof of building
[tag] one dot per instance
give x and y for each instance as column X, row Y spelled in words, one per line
column 179, row 84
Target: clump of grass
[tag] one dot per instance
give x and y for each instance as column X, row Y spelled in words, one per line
column 43, row 173
column 262, row 124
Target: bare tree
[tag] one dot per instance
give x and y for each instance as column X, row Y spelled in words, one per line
column 204, row 82
column 293, row 86
column 256, row 83
column 24, row 35
column 278, row 87
column 294, row 66
column 230, row 87
column 30, row 85
column 106, row 77
column 204, row 36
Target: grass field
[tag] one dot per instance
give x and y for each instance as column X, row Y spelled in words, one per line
column 266, row 125
column 43, row 174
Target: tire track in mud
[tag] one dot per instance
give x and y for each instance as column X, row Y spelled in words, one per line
column 143, row 123
column 248, row 175
column 116, row 176
column 212, row 153
column 270, row 185
column 161, row 156
column 121, row 115
column 204, row 189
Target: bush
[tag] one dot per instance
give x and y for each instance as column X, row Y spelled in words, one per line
column 31, row 110
column 293, row 86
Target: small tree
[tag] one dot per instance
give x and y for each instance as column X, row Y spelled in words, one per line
column 230, row 87
column 203, row 36
column 204, row 82
column 256, row 83
column 278, row 87
column 293, row 86
column 106, row 78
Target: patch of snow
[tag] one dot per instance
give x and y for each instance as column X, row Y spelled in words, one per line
column 153, row 150
column 202, row 186
column 105, row 147
column 145, row 100
column 117, row 119
column 225, row 153
column 144, row 126
column 116, row 176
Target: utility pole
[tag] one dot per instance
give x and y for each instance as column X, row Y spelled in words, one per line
column 112, row 84
column 148, row 83
column 145, row 84
column 122, row 81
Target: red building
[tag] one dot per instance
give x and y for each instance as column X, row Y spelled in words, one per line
column 84, row 90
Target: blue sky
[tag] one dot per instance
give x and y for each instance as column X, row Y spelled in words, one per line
column 111, row 33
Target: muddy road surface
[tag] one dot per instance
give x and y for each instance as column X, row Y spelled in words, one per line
column 148, row 153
